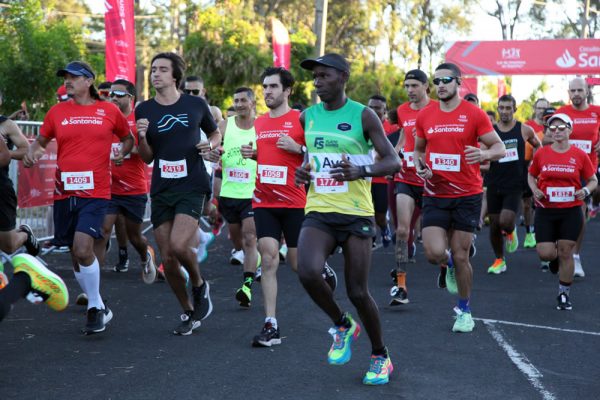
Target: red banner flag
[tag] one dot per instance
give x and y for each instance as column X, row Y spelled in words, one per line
column 527, row 57
column 120, row 40
column 501, row 88
column 282, row 46
column 36, row 184
column 467, row 85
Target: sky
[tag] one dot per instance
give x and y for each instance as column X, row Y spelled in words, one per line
column 486, row 27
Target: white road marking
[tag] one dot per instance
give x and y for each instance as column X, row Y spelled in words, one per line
column 550, row 328
column 532, row 374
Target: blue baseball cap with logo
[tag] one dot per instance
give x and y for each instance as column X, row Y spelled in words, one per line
column 77, row 68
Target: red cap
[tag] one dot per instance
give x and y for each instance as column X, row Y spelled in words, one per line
column 61, row 93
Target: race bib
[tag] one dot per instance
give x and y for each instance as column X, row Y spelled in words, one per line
column 511, row 155
column 585, row 145
column 445, row 162
column 172, row 169
column 560, row 194
column 325, row 184
column 410, row 159
column 78, row 180
column 116, row 149
column 273, row 174
column 238, row 175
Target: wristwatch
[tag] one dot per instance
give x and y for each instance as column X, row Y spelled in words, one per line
column 302, row 149
column 368, row 170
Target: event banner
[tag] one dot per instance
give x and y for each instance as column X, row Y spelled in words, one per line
column 467, row 85
column 527, row 57
column 120, row 40
column 35, row 186
column 281, row 45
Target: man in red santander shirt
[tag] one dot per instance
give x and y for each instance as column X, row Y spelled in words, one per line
column 379, row 184
column 447, row 157
column 278, row 203
column 83, row 127
column 129, row 188
column 555, row 177
column 585, row 131
column 409, row 185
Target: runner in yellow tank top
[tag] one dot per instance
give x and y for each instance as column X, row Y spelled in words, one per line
column 239, row 175
column 339, row 133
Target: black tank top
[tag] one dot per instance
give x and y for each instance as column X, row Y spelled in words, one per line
column 4, row 177
column 507, row 173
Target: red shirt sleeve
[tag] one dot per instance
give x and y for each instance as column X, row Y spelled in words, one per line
column 484, row 124
column 121, row 125
column 588, row 169
column 47, row 128
column 534, row 168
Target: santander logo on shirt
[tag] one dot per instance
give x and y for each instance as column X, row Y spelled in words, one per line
column 83, row 120
column 561, row 168
column 449, row 128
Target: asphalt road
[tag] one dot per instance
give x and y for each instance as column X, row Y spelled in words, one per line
column 522, row 347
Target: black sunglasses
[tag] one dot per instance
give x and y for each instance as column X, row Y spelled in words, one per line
column 445, row 80
column 195, row 92
column 119, row 94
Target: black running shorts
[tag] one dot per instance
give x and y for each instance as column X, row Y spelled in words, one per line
column 133, row 207
column 235, row 210
column 552, row 224
column 380, row 199
column 341, row 226
column 498, row 200
column 272, row 222
column 459, row 213
column 413, row 191
column 8, row 209
column 165, row 205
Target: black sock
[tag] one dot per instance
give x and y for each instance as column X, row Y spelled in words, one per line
column 123, row 254
column 248, row 275
column 17, row 288
column 380, row 352
column 343, row 321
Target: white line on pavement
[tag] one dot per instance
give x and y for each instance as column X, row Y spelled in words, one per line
column 520, row 360
column 550, row 328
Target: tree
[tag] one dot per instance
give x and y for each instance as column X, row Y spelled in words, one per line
column 577, row 22
column 33, row 49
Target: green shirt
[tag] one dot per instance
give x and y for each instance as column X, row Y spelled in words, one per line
column 329, row 135
column 239, row 174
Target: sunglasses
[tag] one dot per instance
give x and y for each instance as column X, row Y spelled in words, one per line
column 195, row 92
column 445, row 80
column 119, row 94
column 554, row 128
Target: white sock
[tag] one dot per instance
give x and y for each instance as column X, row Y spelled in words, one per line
column 202, row 236
column 90, row 277
column 576, row 256
column 272, row 320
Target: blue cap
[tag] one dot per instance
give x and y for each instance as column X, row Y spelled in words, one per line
column 77, row 68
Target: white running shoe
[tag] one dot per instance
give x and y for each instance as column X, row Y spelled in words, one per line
column 237, row 257
column 578, row 267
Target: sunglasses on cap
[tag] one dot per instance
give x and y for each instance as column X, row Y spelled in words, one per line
column 119, row 94
column 562, row 127
column 195, row 92
column 445, row 80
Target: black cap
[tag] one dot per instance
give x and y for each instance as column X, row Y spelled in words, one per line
column 548, row 112
column 77, row 68
column 331, row 60
column 416, row 74
column 471, row 97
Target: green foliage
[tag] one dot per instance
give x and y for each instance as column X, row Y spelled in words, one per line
column 33, row 50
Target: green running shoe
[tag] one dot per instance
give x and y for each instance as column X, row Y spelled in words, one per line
column 512, row 242
column 244, row 294
column 529, row 242
column 464, row 321
column 341, row 351
column 498, row 267
column 379, row 371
